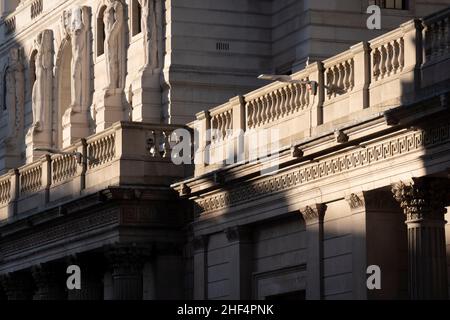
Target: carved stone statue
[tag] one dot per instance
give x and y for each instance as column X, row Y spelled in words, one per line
column 15, row 93
column 149, row 26
column 42, row 89
column 113, row 20
column 77, row 30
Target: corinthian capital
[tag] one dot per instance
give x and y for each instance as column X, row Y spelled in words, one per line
column 314, row 212
column 423, row 198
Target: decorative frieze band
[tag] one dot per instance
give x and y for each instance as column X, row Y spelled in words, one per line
column 398, row 146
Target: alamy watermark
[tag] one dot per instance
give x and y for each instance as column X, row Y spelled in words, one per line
column 216, row 147
column 374, row 20
column 74, row 280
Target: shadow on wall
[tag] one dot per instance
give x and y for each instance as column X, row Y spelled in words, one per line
column 423, row 131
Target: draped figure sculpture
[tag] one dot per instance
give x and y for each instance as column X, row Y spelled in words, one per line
column 41, row 94
column 113, row 21
column 15, row 94
column 77, row 30
column 149, row 27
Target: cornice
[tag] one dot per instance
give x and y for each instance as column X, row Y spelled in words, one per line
column 395, row 146
column 360, row 133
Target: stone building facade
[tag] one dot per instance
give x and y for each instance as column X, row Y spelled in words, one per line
column 94, row 93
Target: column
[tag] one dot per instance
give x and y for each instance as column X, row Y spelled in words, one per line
column 313, row 216
column 357, row 204
column 49, row 281
column 201, row 268
column 423, row 201
column 17, row 286
column 127, row 262
column 92, row 270
column 241, row 255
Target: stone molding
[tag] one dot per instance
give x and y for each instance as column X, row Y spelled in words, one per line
column 397, row 146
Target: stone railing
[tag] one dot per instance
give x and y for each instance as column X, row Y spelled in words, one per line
column 121, row 155
column 281, row 101
column 65, row 167
column 160, row 141
column 5, row 189
column 394, row 69
column 387, row 58
column 437, row 36
column 102, row 148
column 221, row 123
column 339, row 75
column 31, row 178
column 24, row 15
column 436, row 49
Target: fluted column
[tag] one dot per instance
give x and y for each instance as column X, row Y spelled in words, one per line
column 240, row 248
column 201, row 267
column 313, row 216
column 127, row 262
column 91, row 278
column 49, row 282
column 17, row 286
column 423, row 201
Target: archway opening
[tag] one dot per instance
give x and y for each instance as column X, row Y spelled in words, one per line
column 101, row 32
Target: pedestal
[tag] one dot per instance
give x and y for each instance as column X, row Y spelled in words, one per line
column 75, row 126
column 147, row 97
column 37, row 139
column 109, row 109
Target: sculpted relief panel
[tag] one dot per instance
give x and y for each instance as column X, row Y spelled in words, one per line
column 76, row 24
column 42, row 89
column 14, row 96
column 63, row 105
column 151, row 26
column 113, row 19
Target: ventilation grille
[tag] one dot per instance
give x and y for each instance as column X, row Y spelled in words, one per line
column 222, row 46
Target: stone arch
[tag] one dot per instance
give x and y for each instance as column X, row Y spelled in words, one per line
column 31, row 72
column 100, row 30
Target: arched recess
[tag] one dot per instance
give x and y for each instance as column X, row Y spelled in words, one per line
column 31, row 75
column 63, row 89
column 4, row 74
column 100, row 31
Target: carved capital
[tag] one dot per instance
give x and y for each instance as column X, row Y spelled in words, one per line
column 17, row 286
column 423, row 198
column 127, row 258
column 238, row 233
column 355, row 201
column 200, row 242
column 314, row 212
